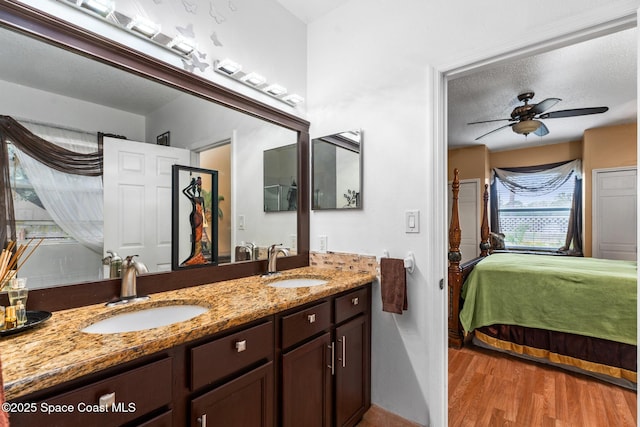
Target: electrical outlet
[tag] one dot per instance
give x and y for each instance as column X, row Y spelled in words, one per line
column 323, row 244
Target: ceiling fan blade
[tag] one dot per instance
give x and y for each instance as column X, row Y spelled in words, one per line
column 574, row 112
column 495, row 130
column 489, row 121
column 542, row 130
column 543, row 106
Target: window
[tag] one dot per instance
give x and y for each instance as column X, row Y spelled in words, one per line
column 538, row 207
column 32, row 218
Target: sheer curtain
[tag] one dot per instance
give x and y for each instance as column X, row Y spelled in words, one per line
column 540, row 180
column 75, row 202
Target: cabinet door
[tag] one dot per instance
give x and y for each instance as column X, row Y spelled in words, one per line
column 352, row 365
column 306, row 384
column 246, row 401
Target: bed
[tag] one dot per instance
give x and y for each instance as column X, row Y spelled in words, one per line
column 573, row 312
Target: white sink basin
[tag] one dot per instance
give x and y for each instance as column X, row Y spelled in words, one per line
column 296, row 282
column 147, row 318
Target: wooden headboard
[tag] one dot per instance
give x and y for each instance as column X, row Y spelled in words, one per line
column 458, row 271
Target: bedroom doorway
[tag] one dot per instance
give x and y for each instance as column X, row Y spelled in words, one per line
column 537, row 46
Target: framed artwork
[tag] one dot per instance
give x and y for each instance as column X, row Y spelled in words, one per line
column 194, row 230
column 163, row 139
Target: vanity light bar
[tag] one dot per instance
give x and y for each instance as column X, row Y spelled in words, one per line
column 139, row 26
column 233, row 70
column 253, row 79
column 144, row 26
column 182, row 44
column 228, row 67
column 275, row 90
column 293, row 99
column 102, row 7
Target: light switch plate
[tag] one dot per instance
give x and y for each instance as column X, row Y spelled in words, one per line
column 240, row 222
column 323, row 243
column 412, row 221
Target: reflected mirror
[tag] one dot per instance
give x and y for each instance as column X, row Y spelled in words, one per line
column 194, row 231
column 68, row 99
column 280, row 173
column 337, row 171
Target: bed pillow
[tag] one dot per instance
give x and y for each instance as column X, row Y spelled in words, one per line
column 497, row 241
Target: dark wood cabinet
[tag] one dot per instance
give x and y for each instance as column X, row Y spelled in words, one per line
column 325, row 362
column 308, row 366
column 306, row 384
column 246, row 401
column 112, row 401
column 351, row 372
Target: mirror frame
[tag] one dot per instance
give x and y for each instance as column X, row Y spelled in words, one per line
column 358, row 207
column 35, row 23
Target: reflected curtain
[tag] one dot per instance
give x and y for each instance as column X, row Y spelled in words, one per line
column 527, row 180
column 76, row 171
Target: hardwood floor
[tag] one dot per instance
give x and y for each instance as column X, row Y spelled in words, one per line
column 488, row 388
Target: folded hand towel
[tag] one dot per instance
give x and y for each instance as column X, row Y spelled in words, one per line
column 393, row 284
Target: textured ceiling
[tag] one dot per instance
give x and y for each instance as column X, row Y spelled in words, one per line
column 598, row 72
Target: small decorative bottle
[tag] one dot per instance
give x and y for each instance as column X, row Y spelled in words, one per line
column 10, row 319
column 21, row 314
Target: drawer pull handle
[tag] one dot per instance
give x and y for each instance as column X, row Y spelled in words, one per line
column 344, row 351
column 240, row 347
column 203, row 420
column 333, row 356
column 355, row 301
column 107, row 400
column 311, row 318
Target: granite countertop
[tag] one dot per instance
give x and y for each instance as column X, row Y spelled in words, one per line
column 57, row 351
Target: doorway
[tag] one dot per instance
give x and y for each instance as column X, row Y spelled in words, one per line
column 443, row 77
column 218, row 157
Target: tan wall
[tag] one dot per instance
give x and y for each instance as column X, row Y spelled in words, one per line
column 471, row 162
column 606, row 147
column 540, row 155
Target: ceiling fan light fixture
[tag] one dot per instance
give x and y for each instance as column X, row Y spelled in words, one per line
column 526, row 127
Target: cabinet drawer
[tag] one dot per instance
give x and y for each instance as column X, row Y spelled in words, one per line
column 305, row 323
column 224, row 356
column 351, row 304
column 136, row 393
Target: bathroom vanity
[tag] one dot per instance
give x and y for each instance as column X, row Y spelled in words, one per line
column 260, row 355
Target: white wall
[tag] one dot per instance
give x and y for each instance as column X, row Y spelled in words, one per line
column 23, row 102
column 369, row 68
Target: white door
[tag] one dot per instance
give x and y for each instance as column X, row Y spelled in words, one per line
column 469, row 213
column 614, row 229
column 137, row 200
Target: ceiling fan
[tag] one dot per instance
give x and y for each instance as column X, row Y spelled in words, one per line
column 525, row 119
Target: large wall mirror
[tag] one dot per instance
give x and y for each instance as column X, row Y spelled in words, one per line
column 63, row 96
column 337, row 171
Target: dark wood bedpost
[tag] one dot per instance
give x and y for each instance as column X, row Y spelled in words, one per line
column 455, row 272
column 485, row 243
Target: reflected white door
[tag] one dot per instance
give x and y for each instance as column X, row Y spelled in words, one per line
column 469, row 214
column 614, row 223
column 137, row 200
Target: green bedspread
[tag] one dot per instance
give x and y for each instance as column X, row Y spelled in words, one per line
column 586, row 296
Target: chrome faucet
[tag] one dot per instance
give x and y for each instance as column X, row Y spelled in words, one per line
column 128, row 290
column 250, row 248
column 272, row 255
